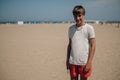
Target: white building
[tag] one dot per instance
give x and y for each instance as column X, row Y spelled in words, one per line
column 20, row 22
column 97, row 22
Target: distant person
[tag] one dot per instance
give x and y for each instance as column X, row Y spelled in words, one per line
column 81, row 47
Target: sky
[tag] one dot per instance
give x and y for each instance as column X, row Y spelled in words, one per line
column 57, row 10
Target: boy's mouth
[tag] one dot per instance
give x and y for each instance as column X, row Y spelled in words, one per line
column 78, row 21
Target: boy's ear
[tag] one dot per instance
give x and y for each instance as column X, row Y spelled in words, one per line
column 83, row 14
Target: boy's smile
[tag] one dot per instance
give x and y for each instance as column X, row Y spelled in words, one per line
column 79, row 19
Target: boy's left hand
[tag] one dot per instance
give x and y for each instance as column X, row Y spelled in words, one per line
column 87, row 67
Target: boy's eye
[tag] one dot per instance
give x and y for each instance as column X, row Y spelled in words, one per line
column 77, row 15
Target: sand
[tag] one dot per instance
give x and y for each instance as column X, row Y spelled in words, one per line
column 38, row 52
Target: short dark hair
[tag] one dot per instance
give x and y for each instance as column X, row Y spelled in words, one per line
column 78, row 10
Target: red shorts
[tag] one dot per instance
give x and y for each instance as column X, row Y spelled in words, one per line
column 78, row 69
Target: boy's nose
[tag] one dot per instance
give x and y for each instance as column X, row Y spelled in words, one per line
column 77, row 18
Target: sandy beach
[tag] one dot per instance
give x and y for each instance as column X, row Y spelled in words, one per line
column 38, row 52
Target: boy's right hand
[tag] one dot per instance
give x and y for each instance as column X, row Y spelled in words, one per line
column 67, row 65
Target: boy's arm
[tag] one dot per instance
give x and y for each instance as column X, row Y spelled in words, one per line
column 91, row 54
column 68, row 54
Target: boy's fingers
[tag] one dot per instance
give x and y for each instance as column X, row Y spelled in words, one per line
column 86, row 69
column 67, row 66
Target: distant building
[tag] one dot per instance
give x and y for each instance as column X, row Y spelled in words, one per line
column 20, row 22
column 97, row 22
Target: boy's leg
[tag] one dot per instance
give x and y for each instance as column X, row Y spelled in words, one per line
column 84, row 75
column 83, row 78
column 73, row 72
column 74, row 78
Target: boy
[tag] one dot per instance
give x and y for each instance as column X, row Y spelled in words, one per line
column 81, row 47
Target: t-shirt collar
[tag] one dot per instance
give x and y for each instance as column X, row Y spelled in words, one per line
column 80, row 27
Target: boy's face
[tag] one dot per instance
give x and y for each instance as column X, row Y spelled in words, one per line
column 79, row 18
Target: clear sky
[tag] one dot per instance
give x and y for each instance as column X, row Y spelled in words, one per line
column 57, row 10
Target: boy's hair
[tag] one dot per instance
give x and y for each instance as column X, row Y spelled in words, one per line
column 78, row 10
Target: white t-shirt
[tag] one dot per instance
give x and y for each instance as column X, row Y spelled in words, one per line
column 80, row 43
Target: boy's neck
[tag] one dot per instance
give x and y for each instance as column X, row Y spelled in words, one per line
column 82, row 24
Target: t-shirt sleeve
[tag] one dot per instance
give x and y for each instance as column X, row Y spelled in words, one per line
column 91, row 32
